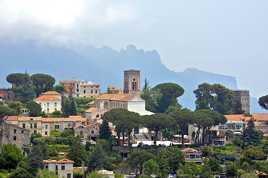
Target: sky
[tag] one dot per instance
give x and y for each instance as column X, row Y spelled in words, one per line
column 221, row 36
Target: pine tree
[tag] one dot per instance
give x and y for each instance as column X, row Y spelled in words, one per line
column 105, row 132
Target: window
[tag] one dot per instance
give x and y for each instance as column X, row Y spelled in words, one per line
column 46, row 133
column 22, row 131
column 15, row 131
column 84, row 91
column 35, row 132
column 63, row 167
column 46, row 126
column 23, row 125
column 69, row 175
column 57, row 126
column 14, row 138
column 31, row 125
column 91, row 91
column 35, row 125
column 92, row 131
column 46, row 166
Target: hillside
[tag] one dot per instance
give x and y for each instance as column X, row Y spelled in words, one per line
column 101, row 65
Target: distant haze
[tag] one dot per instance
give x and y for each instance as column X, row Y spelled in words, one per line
column 227, row 37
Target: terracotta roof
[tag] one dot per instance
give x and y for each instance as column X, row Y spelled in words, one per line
column 49, row 96
column 47, row 120
column 62, row 161
column 92, row 110
column 237, row 117
column 3, row 94
column 189, row 150
column 260, row 117
column 116, row 97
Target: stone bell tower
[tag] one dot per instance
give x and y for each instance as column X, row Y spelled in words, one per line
column 132, row 81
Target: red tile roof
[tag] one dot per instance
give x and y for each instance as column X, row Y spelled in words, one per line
column 62, row 161
column 49, row 96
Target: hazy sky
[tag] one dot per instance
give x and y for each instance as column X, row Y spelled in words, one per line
column 222, row 36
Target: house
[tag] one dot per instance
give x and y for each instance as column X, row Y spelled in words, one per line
column 43, row 126
column 13, row 134
column 87, row 132
column 77, row 88
column 130, row 102
column 50, row 101
column 63, row 168
column 261, row 122
column 192, row 155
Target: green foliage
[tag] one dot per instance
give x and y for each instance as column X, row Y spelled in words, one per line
column 21, row 173
column 97, row 159
column 263, row 102
column 124, row 121
column 77, row 152
column 83, row 103
column 253, row 153
column 95, row 175
column 190, row 170
column 69, row 107
column 162, row 96
column 17, row 106
column 59, row 88
column 42, row 83
column 46, row 174
column 158, row 122
column 183, row 119
column 150, row 167
column 105, row 132
column 214, row 97
column 6, row 111
column 18, row 79
column 251, row 136
column 10, row 156
column 137, row 159
column 34, row 108
column 39, row 152
column 170, row 159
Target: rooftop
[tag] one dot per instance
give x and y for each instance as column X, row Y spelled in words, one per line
column 237, row 117
column 62, row 161
column 46, row 120
column 116, row 97
column 49, row 96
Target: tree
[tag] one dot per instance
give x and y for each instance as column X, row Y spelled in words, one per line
column 39, row 152
column 157, row 123
column 22, row 86
column 34, row 108
column 59, row 88
column 10, row 156
column 170, row 159
column 263, row 102
column 162, row 96
column 18, row 79
column 69, row 106
column 105, row 132
column 77, row 152
column 150, row 168
column 17, row 106
column 97, row 159
column 183, row 118
column 6, row 111
column 21, row 173
column 42, row 83
column 137, row 159
column 46, row 174
column 204, row 120
column 124, row 122
column 251, row 136
column 214, row 97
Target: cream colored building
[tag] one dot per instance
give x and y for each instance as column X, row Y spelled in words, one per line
column 77, row 88
column 43, row 126
column 50, row 101
column 63, row 168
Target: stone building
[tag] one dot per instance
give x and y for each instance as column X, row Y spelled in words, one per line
column 43, row 126
column 88, row 132
column 13, row 134
column 132, row 81
column 63, row 168
column 77, row 88
column 50, row 101
column 241, row 102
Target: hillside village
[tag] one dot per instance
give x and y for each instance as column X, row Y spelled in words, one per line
column 74, row 130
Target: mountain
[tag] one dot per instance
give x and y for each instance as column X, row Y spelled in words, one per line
column 101, row 65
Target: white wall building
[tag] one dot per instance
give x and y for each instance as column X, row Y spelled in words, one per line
column 50, row 101
column 63, row 168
